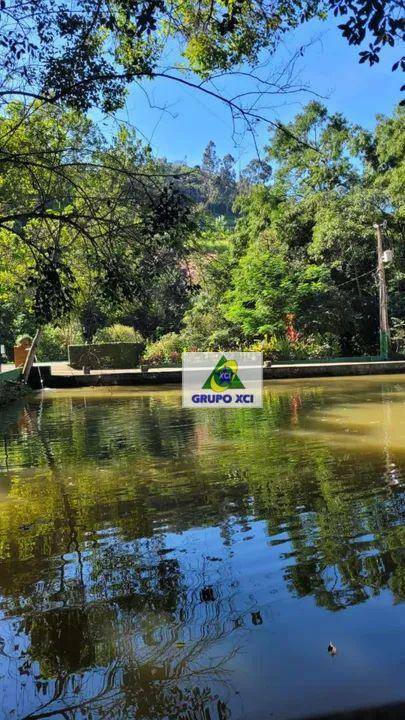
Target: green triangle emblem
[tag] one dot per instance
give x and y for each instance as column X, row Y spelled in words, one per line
column 224, row 377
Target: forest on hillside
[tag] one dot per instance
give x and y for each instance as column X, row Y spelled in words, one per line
column 101, row 239
column 280, row 256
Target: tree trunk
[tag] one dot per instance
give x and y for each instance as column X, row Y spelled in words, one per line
column 31, row 355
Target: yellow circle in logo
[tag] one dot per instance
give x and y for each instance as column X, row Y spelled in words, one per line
column 223, row 375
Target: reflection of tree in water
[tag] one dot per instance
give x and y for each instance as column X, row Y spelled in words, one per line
column 102, row 429
column 343, row 520
column 122, row 657
column 345, row 546
column 104, row 623
column 299, row 493
column 128, row 592
column 146, row 424
column 126, row 689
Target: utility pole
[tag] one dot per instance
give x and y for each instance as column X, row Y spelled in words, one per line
column 383, row 295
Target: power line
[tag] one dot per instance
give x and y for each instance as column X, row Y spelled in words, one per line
column 370, row 272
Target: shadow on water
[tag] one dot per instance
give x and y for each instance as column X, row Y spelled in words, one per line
column 157, row 562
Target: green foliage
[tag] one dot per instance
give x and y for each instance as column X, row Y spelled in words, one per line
column 313, row 346
column 167, row 349
column 214, row 239
column 117, row 333
column 204, row 325
column 398, row 335
column 306, row 244
column 58, row 222
column 180, row 262
column 23, row 339
column 262, row 291
column 389, row 158
column 87, row 54
column 55, row 340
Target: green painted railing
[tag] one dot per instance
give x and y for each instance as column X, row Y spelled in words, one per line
column 10, row 375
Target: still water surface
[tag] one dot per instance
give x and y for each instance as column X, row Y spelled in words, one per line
column 163, row 563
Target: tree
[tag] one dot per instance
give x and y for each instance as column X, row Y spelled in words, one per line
column 256, row 172
column 87, row 55
column 106, row 226
column 227, row 187
column 210, row 159
column 336, row 193
column 388, row 159
column 306, row 244
column 266, row 286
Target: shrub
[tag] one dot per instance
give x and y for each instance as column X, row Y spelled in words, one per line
column 24, row 340
column 167, row 349
column 398, row 335
column 223, row 339
column 206, row 330
column 54, row 342
column 197, row 327
column 273, row 348
column 117, row 333
column 313, row 346
column 319, row 346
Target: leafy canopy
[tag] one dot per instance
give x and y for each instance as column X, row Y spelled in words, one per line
column 87, row 52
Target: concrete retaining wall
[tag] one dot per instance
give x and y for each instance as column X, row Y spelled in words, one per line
column 333, row 369
column 173, row 376
column 10, row 387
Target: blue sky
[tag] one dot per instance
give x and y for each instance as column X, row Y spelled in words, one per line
column 330, row 66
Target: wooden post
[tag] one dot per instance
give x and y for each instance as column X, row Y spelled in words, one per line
column 29, row 361
column 383, row 297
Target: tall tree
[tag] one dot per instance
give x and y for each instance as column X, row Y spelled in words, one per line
column 115, row 217
column 306, row 243
column 210, row 159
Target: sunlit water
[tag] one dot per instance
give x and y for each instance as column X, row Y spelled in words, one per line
column 162, row 563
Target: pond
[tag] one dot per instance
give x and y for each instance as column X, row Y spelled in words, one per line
column 158, row 562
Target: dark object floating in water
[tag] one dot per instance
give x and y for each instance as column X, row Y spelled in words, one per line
column 257, row 618
column 332, row 649
column 165, row 551
column 213, row 558
column 207, row 594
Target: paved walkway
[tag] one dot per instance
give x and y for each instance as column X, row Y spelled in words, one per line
column 7, row 367
column 62, row 368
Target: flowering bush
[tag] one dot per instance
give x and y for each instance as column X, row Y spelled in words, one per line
column 167, row 349
column 291, row 333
